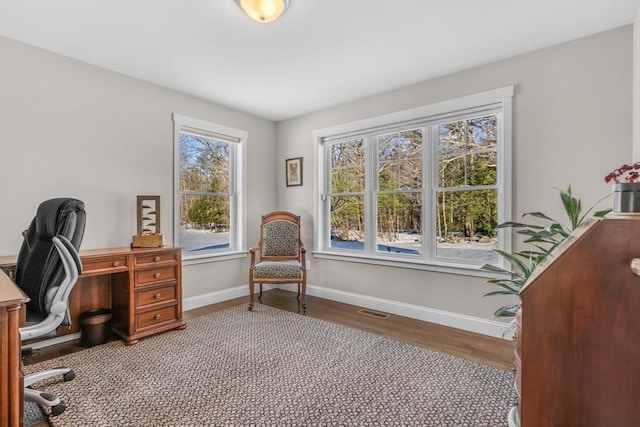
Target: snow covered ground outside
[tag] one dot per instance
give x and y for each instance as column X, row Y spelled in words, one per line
column 196, row 240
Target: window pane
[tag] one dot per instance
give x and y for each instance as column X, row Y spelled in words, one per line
column 467, row 152
column 347, row 222
column 400, row 160
column 205, row 164
column 204, row 222
column 400, row 223
column 466, row 225
column 347, row 167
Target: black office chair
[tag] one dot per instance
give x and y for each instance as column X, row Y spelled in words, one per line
column 48, row 267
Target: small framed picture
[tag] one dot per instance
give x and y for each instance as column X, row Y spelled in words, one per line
column 294, row 171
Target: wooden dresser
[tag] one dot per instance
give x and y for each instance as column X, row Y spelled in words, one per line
column 578, row 334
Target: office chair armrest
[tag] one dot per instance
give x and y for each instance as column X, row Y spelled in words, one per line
column 58, row 310
column 66, row 248
column 70, row 262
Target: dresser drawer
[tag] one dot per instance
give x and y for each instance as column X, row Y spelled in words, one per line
column 156, row 258
column 104, row 265
column 154, row 275
column 156, row 295
column 156, row 317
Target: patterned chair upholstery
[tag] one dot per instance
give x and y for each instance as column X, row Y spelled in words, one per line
column 279, row 255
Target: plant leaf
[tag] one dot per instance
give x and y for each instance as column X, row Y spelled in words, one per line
column 507, row 311
column 539, row 215
column 495, row 268
column 511, row 224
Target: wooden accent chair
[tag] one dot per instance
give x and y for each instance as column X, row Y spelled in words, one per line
column 279, row 255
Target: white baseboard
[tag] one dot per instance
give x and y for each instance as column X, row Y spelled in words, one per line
column 219, row 296
column 440, row 317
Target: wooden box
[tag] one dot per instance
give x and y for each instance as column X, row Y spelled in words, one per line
column 147, row 241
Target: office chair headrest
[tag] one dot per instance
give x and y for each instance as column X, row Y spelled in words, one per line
column 39, row 267
column 60, row 216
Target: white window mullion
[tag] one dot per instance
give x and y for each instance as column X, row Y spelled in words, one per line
column 429, row 188
column 504, row 175
column 371, row 154
column 325, row 201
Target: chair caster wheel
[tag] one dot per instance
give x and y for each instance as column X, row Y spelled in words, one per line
column 58, row 409
column 69, row 376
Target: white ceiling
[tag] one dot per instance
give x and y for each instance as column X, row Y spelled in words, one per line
column 320, row 53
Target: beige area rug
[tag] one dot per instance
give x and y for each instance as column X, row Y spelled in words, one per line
column 271, row 367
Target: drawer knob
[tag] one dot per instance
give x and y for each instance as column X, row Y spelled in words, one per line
column 157, row 317
column 156, row 258
column 157, row 296
column 116, row 263
column 156, row 275
column 635, row 266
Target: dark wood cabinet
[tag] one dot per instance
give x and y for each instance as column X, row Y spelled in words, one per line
column 578, row 333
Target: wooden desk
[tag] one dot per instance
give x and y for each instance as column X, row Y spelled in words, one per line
column 11, row 385
column 142, row 287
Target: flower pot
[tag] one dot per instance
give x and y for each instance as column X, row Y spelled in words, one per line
column 626, row 197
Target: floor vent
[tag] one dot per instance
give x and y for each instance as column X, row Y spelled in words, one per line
column 372, row 313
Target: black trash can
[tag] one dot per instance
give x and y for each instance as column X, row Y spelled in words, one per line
column 95, row 327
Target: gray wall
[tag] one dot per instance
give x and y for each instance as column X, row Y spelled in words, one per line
column 71, row 129
column 571, row 126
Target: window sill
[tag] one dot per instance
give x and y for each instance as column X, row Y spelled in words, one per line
column 192, row 259
column 416, row 264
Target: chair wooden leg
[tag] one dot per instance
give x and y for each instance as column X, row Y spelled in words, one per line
column 251, row 289
column 303, row 293
column 298, row 296
column 260, row 294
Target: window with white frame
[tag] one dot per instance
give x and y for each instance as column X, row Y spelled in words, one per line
column 209, row 180
column 425, row 187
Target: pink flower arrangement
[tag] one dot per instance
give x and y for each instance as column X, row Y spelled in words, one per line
column 624, row 173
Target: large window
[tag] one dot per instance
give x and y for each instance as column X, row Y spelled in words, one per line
column 208, row 207
column 425, row 187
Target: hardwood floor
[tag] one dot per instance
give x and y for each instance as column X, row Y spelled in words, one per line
column 491, row 351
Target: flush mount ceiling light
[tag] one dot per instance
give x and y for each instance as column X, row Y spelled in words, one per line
column 263, row 10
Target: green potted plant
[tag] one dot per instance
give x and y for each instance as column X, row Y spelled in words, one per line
column 542, row 237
